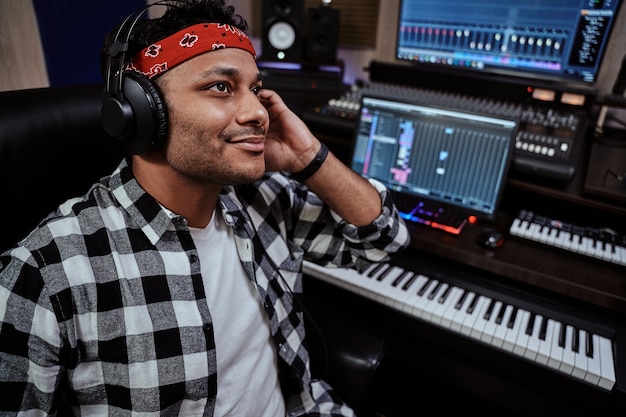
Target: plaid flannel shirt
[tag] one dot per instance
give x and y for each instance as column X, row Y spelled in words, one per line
column 103, row 303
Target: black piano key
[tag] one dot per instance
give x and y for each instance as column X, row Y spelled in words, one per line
column 445, row 294
column 531, row 324
column 500, row 315
column 461, row 300
column 376, row 269
column 576, row 341
column 434, row 291
column 588, row 345
column 400, row 278
column 562, row 335
column 472, row 304
column 512, row 319
column 424, row 287
column 487, row 315
column 384, row 274
column 410, row 282
column 543, row 329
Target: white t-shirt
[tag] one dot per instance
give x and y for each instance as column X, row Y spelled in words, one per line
column 247, row 374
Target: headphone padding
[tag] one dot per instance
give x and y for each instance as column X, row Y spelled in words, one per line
column 150, row 113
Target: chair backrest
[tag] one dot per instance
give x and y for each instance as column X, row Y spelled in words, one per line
column 52, row 147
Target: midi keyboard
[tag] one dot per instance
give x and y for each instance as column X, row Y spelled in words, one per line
column 602, row 244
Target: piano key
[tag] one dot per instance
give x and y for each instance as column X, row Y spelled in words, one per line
column 481, row 320
column 594, row 370
column 569, row 361
column 382, row 284
column 431, row 303
column 587, row 241
column 525, row 333
column 545, row 341
column 419, row 300
column 461, row 313
column 442, row 301
column 490, row 326
column 407, row 302
column 456, row 294
column 503, row 321
column 521, row 341
column 473, row 313
column 556, row 346
column 532, row 348
column 580, row 358
column 607, row 367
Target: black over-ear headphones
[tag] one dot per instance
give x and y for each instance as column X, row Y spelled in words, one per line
column 133, row 109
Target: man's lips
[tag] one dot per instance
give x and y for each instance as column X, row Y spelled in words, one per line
column 252, row 144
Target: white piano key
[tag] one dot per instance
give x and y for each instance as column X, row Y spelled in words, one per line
column 567, row 240
column 419, row 301
column 580, row 362
column 438, row 307
column 607, row 251
column 533, row 232
column 407, row 302
column 543, row 234
column 430, row 303
column 397, row 294
column 607, row 367
column 382, row 286
column 569, row 361
column 442, row 305
column 620, row 255
column 490, row 326
column 587, row 246
column 561, row 239
column 543, row 354
column 552, row 234
column 500, row 333
column 594, row 370
column 480, row 322
column 449, row 312
column 461, row 314
column 521, row 340
column 468, row 321
column 532, row 348
column 516, row 227
column 556, row 350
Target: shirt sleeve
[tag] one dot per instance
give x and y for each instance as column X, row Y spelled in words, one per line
column 330, row 240
column 29, row 338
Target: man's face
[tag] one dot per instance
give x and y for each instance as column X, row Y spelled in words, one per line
column 216, row 120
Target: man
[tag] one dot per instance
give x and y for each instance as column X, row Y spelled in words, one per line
column 167, row 288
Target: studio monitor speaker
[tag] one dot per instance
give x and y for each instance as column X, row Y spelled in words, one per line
column 282, row 30
column 323, row 25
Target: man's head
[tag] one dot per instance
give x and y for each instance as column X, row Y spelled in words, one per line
column 139, row 50
column 191, row 87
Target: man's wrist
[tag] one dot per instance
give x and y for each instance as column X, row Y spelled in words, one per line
column 313, row 166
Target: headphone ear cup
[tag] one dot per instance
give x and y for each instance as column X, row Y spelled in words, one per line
column 139, row 118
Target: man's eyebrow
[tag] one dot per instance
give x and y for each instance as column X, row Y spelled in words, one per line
column 226, row 72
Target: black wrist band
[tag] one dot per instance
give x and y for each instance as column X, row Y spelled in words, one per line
column 313, row 166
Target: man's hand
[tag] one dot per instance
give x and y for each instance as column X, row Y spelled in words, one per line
column 289, row 144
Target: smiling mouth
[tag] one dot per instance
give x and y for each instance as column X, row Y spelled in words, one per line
column 250, row 144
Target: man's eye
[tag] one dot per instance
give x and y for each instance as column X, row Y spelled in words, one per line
column 221, row 87
column 256, row 90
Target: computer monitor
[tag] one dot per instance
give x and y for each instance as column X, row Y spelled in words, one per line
column 424, row 154
column 552, row 40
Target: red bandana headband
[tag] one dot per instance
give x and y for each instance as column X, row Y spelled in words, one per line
column 186, row 44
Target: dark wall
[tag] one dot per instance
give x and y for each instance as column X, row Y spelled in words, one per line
column 72, row 33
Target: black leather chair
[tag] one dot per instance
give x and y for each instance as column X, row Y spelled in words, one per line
column 53, row 147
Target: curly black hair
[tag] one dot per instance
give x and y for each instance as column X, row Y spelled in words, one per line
column 179, row 15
